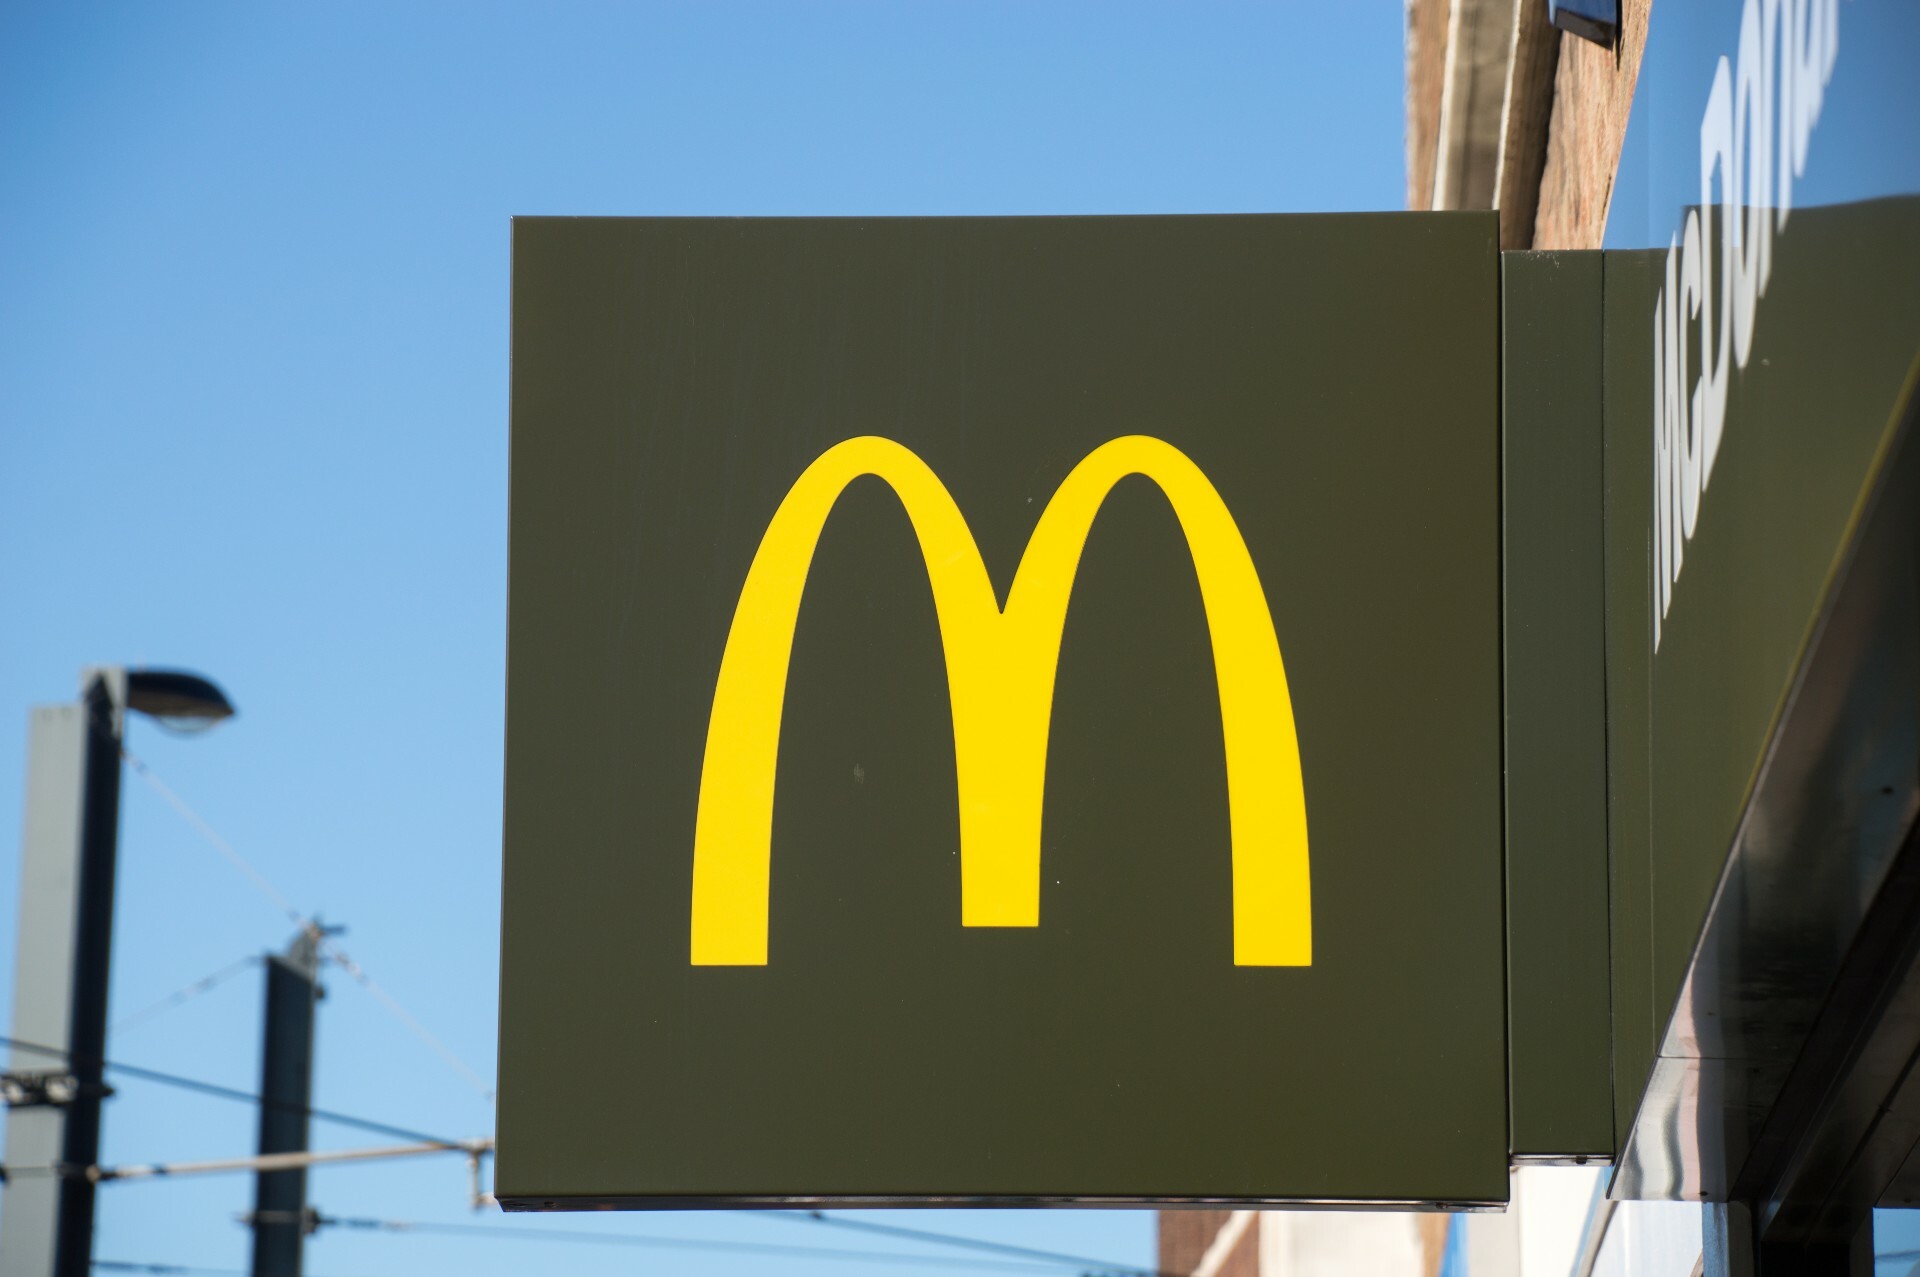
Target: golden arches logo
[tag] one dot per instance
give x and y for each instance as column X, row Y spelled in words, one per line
column 1000, row 672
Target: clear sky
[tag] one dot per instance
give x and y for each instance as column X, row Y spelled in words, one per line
column 253, row 421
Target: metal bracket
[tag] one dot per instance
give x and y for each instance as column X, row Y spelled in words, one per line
column 1595, row 20
column 48, row 1089
column 308, row 1218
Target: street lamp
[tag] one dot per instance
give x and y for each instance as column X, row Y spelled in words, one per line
column 177, row 700
column 54, row 1082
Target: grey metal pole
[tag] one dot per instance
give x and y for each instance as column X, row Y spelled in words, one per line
column 67, row 870
column 280, row 1218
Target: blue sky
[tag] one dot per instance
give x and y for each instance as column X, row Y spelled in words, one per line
column 253, row 421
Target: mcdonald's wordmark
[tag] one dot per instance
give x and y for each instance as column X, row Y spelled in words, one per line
column 989, row 698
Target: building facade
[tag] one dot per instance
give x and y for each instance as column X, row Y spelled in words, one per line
column 1738, row 181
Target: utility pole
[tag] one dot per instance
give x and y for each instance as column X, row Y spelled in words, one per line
column 281, row 1220
column 67, row 863
column 68, row 859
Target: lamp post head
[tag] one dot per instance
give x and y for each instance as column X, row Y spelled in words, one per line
column 178, row 700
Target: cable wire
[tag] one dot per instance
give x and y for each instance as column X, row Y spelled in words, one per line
column 333, row 950
column 230, row 1093
column 695, row 1243
column 327, row 944
column 360, row 976
column 185, row 994
column 214, row 840
column 168, row 1270
column 955, row 1239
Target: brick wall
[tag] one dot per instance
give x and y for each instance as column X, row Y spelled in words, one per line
column 1187, row 1235
column 1384, row 1244
column 1426, row 65
column 1592, row 93
column 1562, row 124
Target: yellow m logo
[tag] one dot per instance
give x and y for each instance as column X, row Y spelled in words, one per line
column 1000, row 672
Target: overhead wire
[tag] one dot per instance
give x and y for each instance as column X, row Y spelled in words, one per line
column 229, row 1093
column 167, row 1270
column 332, row 949
column 953, row 1239
column 266, row 1163
column 185, row 994
column 770, row 1250
column 326, row 943
column 1030, row 1259
column 214, row 840
column 1035, row 1258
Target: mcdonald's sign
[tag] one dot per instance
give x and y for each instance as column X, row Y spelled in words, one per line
column 1000, row 672
column 1003, row 710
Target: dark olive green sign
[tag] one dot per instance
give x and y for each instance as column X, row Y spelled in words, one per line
column 1004, row 710
column 1749, row 414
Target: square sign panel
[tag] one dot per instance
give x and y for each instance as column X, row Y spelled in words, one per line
column 1003, row 710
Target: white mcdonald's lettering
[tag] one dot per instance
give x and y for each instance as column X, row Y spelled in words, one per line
column 1753, row 144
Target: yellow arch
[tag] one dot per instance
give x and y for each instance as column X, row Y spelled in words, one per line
column 1000, row 672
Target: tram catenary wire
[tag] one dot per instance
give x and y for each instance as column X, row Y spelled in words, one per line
column 329, row 947
column 185, row 994
column 1038, row 1261
column 1036, row 1258
column 228, row 1092
column 951, row 1239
